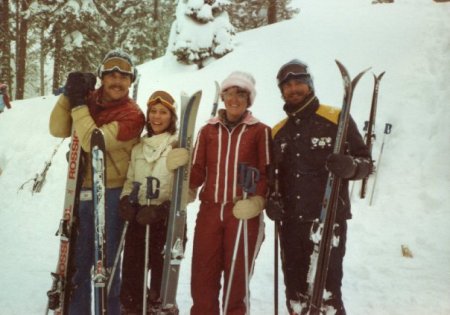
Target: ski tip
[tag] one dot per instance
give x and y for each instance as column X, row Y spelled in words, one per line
column 378, row 78
column 344, row 73
column 356, row 79
column 198, row 93
column 341, row 67
column 217, row 85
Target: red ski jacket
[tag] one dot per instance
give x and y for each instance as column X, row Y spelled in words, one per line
column 218, row 152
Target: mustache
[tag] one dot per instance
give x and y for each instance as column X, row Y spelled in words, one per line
column 296, row 94
column 116, row 86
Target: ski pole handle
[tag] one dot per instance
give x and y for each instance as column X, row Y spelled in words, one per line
column 387, row 128
column 251, row 177
column 152, row 188
column 242, row 168
column 248, row 176
column 366, row 125
column 134, row 199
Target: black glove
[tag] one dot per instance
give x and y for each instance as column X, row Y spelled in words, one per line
column 274, row 208
column 127, row 210
column 341, row 165
column 77, row 86
column 152, row 213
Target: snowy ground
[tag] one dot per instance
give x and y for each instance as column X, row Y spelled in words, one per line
column 408, row 39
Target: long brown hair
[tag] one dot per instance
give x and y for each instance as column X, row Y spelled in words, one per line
column 172, row 126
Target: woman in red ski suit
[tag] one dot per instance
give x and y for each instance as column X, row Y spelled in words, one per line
column 231, row 138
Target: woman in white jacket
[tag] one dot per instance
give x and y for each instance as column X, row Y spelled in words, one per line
column 148, row 159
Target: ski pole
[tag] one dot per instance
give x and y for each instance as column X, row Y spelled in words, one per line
column 248, row 176
column 133, row 199
column 152, row 193
column 136, row 87
column 277, row 225
column 387, row 130
column 39, row 179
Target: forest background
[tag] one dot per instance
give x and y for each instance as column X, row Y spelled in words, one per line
column 41, row 41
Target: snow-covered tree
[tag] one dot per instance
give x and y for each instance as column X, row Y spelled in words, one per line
column 75, row 37
column 147, row 28
column 201, row 31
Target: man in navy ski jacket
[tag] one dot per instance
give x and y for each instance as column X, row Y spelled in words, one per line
column 303, row 146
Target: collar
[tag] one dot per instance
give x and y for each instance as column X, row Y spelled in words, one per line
column 97, row 98
column 247, row 118
column 303, row 109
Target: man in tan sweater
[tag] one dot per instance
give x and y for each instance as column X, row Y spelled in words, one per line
column 121, row 120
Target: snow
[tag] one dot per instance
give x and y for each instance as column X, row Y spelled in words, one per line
column 408, row 39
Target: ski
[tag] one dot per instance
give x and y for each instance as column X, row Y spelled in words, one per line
column 60, row 291
column 174, row 249
column 323, row 231
column 99, row 273
column 216, row 100
column 370, row 126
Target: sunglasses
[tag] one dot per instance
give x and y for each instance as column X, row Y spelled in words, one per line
column 240, row 94
column 117, row 64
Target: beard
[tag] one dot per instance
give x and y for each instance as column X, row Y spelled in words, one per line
column 296, row 100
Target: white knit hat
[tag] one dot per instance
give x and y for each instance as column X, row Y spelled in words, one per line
column 243, row 80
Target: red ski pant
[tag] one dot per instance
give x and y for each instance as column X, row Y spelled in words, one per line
column 214, row 240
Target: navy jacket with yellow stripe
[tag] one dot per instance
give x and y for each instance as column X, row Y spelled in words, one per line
column 302, row 143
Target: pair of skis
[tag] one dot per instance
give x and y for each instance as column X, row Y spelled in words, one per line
column 323, row 235
column 370, row 137
column 60, row 292
column 370, row 127
column 174, row 249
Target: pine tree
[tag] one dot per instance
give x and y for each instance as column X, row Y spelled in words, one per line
column 201, row 31
column 250, row 14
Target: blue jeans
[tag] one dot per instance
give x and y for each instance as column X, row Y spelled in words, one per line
column 80, row 303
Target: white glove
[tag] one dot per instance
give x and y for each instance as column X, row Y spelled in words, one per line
column 177, row 157
column 248, row 208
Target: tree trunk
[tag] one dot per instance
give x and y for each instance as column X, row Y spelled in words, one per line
column 21, row 43
column 42, row 54
column 156, row 22
column 5, row 45
column 57, row 57
column 272, row 12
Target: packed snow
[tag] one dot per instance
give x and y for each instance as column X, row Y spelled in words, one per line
column 408, row 39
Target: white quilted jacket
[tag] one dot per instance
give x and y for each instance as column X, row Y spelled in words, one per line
column 148, row 158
